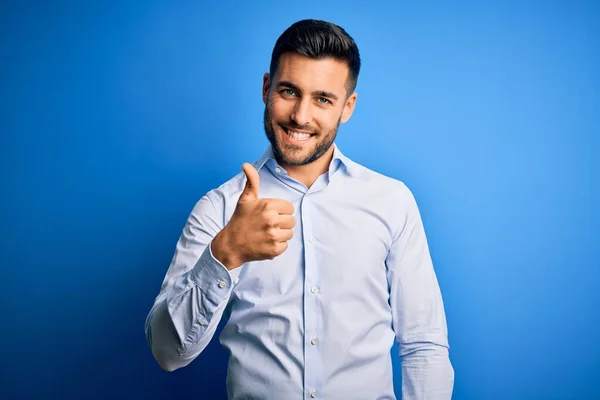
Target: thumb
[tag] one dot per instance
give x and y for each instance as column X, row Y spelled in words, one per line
column 252, row 182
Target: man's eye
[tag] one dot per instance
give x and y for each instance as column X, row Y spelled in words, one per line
column 288, row 92
column 323, row 100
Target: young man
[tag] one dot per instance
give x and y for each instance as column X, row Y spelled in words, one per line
column 318, row 262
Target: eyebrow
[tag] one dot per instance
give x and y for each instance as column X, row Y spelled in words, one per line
column 320, row 93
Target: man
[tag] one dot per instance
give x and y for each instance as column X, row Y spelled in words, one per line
column 318, row 262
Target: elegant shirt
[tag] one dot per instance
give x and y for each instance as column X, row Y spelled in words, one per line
column 319, row 320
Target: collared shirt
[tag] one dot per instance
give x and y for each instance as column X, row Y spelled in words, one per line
column 319, row 320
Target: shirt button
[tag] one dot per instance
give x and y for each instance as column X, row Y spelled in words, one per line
column 314, row 290
column 313, row 394
column 222, row 284
column 278, row 169
column 313, row 342
column 203, row 321
column 312, row 239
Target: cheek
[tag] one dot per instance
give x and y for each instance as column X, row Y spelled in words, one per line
column 280, row 110
column 329, row 119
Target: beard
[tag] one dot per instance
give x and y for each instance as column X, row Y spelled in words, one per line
column 284, row 153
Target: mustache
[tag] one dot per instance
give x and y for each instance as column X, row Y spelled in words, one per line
column 294, row 126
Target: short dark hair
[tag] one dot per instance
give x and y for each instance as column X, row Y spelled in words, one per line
column 319, row 39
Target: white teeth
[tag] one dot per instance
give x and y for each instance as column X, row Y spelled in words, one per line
column 299, row 136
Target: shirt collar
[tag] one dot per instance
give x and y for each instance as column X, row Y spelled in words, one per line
column 338, row 160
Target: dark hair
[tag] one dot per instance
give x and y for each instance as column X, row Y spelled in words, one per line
column 319, row 39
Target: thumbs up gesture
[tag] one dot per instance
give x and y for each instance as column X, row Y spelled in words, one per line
column 259, row 229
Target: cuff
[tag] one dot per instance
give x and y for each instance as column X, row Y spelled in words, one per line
column 212, row 277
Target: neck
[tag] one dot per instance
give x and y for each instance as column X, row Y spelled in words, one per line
column 308, row 174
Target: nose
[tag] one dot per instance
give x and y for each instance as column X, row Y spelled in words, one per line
column 301, row 113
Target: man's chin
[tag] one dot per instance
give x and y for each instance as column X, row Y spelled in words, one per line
column 294, row 159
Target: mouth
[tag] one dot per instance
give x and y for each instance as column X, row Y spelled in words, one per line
column 297, row 137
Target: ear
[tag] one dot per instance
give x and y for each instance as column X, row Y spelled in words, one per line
column 348, row 108
column 266, row 86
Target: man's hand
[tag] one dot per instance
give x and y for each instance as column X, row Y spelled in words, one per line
column 259, row 228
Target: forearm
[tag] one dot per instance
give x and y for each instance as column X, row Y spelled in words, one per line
column 185, row 316
column 427, row 372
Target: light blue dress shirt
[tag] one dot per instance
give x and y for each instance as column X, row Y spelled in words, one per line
column 318, row 321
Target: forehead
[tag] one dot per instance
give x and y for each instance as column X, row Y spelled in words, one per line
column 310, row 75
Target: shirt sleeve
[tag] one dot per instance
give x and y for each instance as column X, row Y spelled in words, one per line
column 194, row 292
column 418, row 314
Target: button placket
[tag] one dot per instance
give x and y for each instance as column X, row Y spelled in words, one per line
column 313, row 361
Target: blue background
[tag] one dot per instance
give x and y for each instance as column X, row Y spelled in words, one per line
column 116, row 118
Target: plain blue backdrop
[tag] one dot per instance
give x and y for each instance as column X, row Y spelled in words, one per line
column 116, row 118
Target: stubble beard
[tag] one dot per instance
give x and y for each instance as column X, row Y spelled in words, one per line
column 281, row 155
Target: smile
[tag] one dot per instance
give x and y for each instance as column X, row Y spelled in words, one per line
column 297, row 136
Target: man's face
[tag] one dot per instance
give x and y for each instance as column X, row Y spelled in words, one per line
column 305, row 102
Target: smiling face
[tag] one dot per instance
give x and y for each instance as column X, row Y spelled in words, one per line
column 305, row 102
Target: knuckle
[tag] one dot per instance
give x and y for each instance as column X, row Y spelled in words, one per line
column 268, row 205
column 272, row 234
column 265, row 206
column 271, row 221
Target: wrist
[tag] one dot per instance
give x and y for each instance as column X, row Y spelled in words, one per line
column 223, row 251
